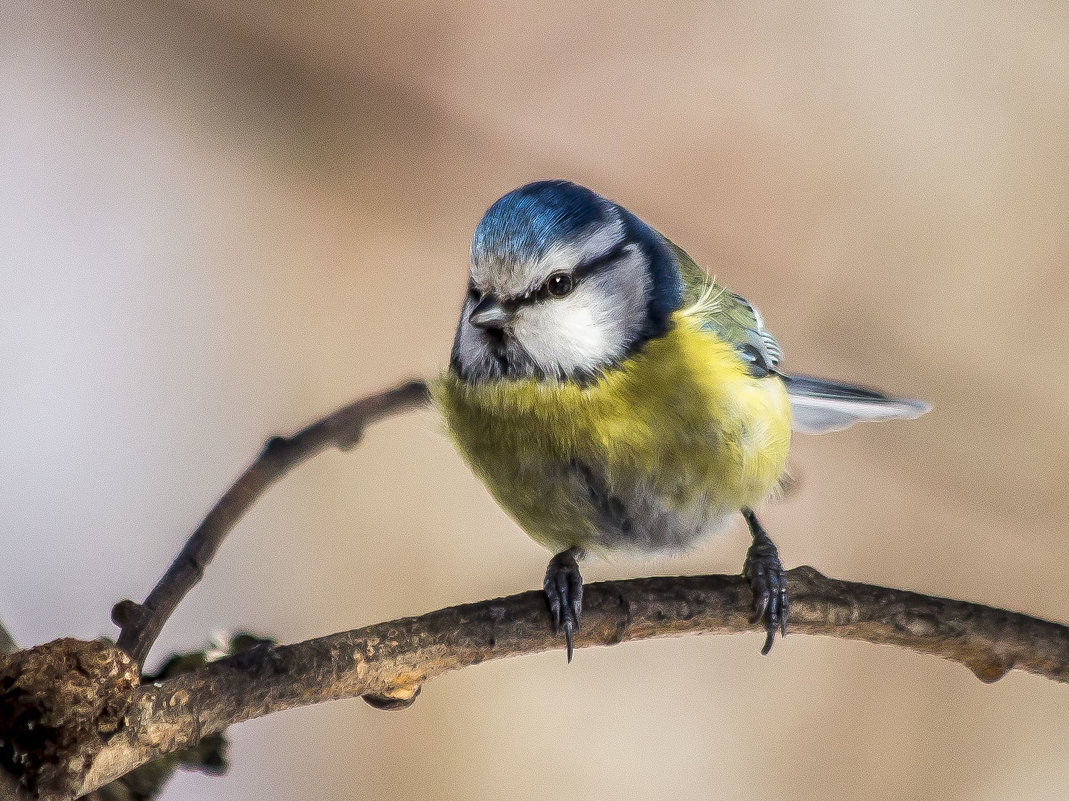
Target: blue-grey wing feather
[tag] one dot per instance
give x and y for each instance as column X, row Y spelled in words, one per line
column 819, row 406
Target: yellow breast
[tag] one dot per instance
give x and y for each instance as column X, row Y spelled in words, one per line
column 681, row 424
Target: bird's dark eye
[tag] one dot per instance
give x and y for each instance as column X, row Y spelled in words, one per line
column 474, row 294
column 559, row 284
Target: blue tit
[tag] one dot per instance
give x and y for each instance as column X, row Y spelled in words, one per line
column 612, row 397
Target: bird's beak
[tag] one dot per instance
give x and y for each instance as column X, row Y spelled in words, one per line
column 491, row 313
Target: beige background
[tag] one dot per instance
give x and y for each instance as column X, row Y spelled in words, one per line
column 220, row 220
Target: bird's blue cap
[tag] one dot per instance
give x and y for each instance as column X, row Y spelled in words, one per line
column 524, row 223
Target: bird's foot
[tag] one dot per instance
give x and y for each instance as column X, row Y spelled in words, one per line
column 764, row 570
column 564, row 593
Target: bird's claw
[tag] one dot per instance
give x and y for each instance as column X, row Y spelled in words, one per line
column 768, row 581
column 564, row 594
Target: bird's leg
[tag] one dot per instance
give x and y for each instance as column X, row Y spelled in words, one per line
column 564, row 592
column 764, row 571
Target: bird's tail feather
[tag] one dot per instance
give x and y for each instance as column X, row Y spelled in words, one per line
column 819, row 406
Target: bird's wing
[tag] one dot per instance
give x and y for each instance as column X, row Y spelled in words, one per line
column 817, row 405
column 733, row 318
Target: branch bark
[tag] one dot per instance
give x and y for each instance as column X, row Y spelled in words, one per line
column 391, row 661
column 141, row 624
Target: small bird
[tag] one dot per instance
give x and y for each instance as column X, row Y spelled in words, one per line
column 613, row 397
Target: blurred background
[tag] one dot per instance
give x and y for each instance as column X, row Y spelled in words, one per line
column 222, row 219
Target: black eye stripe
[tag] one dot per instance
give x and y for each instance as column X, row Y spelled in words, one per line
column 600, row 262
column 577, row 273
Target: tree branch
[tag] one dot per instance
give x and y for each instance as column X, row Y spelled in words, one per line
column 141, row 624
column 390, row 661
column 74, row 715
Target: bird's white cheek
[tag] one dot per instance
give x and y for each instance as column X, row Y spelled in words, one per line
column 567, row 335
